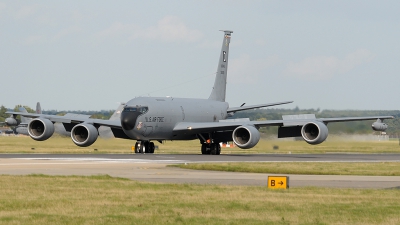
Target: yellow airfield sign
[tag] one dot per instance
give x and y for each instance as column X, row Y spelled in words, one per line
column 277, row 182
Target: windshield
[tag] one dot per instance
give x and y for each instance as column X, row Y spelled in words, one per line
column 141, row 109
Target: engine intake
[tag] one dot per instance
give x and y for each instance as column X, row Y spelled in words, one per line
column 314, row 132
column 40, row 129
column 84, row 134
column 246, row 136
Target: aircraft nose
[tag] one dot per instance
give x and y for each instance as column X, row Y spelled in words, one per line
column 128, row 119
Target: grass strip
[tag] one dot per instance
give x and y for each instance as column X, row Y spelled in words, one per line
column 311, row 168
column 40, row 199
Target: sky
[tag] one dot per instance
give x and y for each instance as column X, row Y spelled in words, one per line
column 91, row 55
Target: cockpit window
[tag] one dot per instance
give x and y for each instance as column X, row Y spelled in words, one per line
column 130, row 109
column 141, row 109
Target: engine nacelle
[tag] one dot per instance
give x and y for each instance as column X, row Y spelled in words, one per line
column 379, row 126
column 314, row 132
column 84, row 134
column 246, row 136
column 40, row 129
column 11, row 121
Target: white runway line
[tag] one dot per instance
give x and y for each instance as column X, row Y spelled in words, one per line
column 49, row 163
column 169, row 161
column 104, row 160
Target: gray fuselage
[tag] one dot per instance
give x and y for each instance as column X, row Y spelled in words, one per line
column 154, row 118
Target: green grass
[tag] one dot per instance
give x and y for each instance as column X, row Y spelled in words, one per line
column 40, row 199
column 312, row 168
column 57, row 144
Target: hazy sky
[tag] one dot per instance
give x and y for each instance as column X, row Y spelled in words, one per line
column 89, row 55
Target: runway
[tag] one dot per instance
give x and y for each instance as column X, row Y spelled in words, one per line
column 153, row 168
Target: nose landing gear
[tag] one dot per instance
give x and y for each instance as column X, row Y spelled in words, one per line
column 144, row 147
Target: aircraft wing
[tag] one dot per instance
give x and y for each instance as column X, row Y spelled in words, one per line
column 344, row 119
column 72, row 118
column 221, row 126
column 301, row 121
column 236, row 109
column 225, row 125
column 77, row 116
column 107, row 123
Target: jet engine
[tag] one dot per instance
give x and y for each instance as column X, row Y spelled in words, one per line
column 314, row 132
column 379, row 126
column 11, row 121
column 40, row 129
column 246, row 136
column 84, row 134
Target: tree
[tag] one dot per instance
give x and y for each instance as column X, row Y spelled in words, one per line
column 29, row 109
column 3, row 114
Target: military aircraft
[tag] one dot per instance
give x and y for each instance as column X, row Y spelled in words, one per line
column 20, row 126
column 147, row 119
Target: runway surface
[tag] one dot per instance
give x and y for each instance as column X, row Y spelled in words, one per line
column 152, row 167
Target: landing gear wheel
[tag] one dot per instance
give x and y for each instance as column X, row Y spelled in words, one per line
column 218, row 149
column 137, row 146
column 151, row 147
column 141, row 147
column 146, row 148
column 213, row 149
column 204, row 149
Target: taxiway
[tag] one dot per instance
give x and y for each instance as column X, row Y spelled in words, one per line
column 153, row 168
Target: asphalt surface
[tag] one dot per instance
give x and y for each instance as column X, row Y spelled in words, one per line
column 152, row 168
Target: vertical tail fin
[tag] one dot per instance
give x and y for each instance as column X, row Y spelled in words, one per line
column 219, row 89
column 38, row 108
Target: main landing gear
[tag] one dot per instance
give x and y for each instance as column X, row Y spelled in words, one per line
column 144, row 147
column 209, row 146
column 210, row 149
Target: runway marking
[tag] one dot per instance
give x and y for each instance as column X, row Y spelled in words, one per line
column 170, row 161
column 167, row 157
column 105, row 160
column 18, row 164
